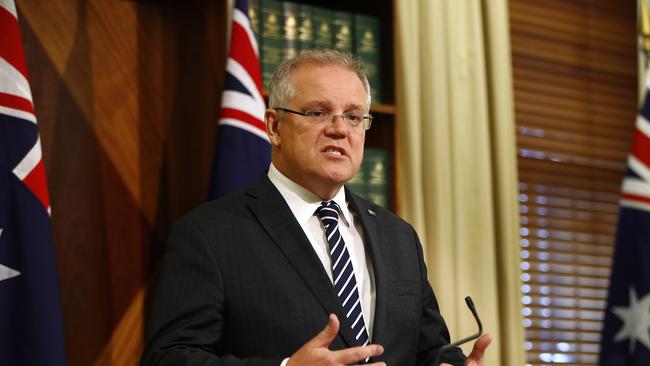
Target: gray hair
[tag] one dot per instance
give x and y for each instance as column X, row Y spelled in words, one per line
column 281, row 90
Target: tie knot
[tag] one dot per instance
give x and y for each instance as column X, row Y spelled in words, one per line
column 328, row 209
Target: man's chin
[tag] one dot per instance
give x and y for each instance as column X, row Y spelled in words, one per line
column 338, row 178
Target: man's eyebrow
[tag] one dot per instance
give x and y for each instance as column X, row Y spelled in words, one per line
column 317, row 103
column 328, row 105
column 351, row 107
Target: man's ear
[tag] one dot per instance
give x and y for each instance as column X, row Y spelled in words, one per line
column 272, row 126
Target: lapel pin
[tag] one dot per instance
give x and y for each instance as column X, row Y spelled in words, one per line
column 371, row 212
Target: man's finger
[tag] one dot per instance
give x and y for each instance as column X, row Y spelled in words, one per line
column 476, row 356
column 327, row 335
column 354, row 355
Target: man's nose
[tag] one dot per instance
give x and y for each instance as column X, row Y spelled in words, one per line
column 337, row 126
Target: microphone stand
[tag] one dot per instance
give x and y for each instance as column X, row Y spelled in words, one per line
column 470, row 305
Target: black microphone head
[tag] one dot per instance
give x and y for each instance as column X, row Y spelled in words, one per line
column 472, row 308
column 470, row 303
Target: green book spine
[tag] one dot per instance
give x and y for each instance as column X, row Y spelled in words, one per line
column 305, row 28
column 366, row 46
column 378, row 168
column 323, row 35
column 359, row 182
column 254, row 14
column 290, row 29
column 342, row 28
column 271, row 38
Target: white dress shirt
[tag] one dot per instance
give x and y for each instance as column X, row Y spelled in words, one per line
column 303, row 205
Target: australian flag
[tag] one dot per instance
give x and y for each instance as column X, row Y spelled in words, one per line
column 31, row 327
column 626, row 333
column 243, row 149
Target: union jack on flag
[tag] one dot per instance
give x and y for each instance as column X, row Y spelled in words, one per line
column 243, row 149
column 625, row 339
column 31, row 327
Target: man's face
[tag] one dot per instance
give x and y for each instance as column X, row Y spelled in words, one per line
column 319, row 157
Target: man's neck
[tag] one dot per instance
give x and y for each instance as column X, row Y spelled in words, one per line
column 323, row 192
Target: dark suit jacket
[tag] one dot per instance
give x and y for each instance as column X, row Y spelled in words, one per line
column 241, row 285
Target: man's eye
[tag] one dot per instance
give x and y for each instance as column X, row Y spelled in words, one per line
column 353, row 117
column 316, row 113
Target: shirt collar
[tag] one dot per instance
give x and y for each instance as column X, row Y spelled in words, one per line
column 301, row 201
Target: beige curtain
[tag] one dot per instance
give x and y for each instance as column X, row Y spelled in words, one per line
column 457, row 154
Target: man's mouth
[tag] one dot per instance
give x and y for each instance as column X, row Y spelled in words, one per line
column 333, row 152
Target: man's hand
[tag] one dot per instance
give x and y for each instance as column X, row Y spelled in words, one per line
column 475, row 358
column 316, row 351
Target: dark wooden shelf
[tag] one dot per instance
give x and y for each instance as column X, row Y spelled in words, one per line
column 383, row 108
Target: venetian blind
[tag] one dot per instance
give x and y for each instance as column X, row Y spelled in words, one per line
column 575, row 82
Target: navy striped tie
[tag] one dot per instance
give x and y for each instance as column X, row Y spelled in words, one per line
column 345, row 282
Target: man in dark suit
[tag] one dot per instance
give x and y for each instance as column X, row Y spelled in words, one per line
column 252, row 278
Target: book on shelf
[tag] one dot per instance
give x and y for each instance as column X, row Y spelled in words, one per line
column 372, row 181
column 272, row 38
column 305, row 28
column 288, row 28
column 342, row 30
column 358, row 183
column 254, row 14
column 366, row 47
column 322, row 23
column 290, row 13
column 377, row 175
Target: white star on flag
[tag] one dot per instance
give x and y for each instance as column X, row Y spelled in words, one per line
column 636, row 321
column 6, row 272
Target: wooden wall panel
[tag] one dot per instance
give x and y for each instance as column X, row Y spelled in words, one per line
column 127, row 97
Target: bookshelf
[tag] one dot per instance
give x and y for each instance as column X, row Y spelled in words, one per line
column 382, row 135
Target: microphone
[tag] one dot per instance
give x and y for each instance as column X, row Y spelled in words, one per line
column 470, row 305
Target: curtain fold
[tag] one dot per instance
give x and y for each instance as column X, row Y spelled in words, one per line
column 457, row 171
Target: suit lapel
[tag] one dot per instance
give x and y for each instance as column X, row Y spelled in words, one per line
column 274, row 215
column 368, row 218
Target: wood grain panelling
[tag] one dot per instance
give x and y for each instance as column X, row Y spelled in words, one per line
column 127, row 97
column 575, row 86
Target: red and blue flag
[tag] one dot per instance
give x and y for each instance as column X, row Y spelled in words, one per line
column 243, row 149
column 625, row 337
column 31, row 327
